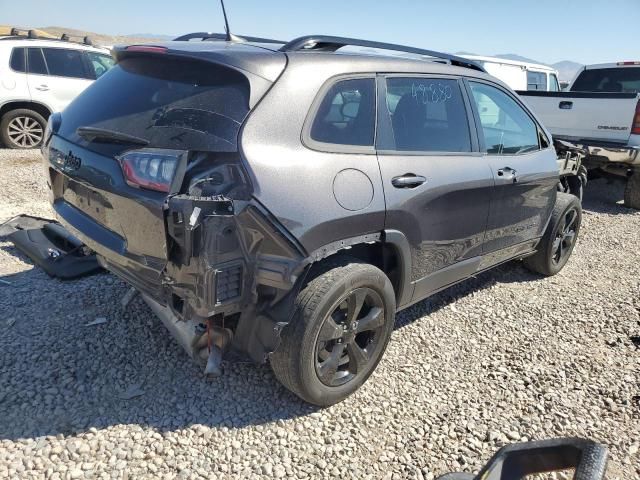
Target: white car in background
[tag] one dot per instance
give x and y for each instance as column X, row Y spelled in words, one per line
column 519, row 75
column 40, row 76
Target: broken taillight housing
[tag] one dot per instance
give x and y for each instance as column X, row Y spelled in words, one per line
column 150, row 168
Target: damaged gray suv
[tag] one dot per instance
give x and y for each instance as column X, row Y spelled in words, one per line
column 282, row 201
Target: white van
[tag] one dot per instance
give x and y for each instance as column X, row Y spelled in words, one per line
column 519, row 75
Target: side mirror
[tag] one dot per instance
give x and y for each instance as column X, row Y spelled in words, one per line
column 515, row 462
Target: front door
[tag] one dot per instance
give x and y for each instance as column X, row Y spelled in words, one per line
column 524, row 168
column 437, row 184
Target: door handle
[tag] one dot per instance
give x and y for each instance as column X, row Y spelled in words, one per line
column 408, row 180
column 508, row 173
column 564, row 105
column 42, row 88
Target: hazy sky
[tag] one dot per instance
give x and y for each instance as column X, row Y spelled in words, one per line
column 585, row 31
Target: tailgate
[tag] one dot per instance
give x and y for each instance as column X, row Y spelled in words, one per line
column 605, row 117
column 125, row 146
column 90, row 194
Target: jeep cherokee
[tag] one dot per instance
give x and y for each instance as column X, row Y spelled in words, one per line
column 284, row 201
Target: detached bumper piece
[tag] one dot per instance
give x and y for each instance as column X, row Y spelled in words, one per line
column 50, row 246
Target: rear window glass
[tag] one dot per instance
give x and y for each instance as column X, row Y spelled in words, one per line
column 611, row 80
column 347, row 114
column 427, row 114
column 16, row 62
column 171, row 103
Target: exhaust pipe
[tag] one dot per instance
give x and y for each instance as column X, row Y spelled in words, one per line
column 205, row 344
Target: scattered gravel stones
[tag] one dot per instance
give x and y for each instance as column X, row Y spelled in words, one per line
column 507, row 356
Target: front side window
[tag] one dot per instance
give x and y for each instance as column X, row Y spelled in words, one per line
column 506, row 126
column 347, row 114
column 100, row 63
column 63, row 62
column 35, row 61
column 536, row 81
column 16, row 62
column 553, row 83
column 427, row 114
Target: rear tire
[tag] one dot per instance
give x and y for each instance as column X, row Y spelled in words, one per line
column 556, row 245
column 632, row 191
column 22, row 129
column 341, row 326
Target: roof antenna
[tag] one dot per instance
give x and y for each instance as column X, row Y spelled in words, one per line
column 230, row 36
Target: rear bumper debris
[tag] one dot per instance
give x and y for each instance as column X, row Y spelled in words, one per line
column 50, row 246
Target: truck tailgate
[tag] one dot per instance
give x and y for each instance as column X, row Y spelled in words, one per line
column 605, row 117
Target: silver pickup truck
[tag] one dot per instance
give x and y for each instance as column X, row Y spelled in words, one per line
column 600, row 113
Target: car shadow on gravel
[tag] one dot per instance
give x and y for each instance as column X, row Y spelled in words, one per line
column 61, row 374
column 510, row 272
column 605, row 195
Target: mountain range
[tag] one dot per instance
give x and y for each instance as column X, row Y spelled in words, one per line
column 566, row 68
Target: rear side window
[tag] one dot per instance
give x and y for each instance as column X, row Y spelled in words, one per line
column 506, row 126
column 178, row 104
column 63, row 62
column 17, row 62
column 536, row 81
column 346, row 115
column 427, row 115
column 36, row 63
column 611, row 80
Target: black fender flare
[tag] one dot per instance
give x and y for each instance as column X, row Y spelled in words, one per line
column 400, row 243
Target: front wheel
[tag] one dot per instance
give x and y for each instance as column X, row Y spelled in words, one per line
column 555, row 247
column 342, row 323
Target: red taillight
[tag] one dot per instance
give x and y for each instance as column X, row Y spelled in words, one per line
column 146, row 48
column 152, row 169
column 628, row 63
column 635, row 127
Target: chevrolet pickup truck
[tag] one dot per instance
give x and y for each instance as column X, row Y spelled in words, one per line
column 600, row 113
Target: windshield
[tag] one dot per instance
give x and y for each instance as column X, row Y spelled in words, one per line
column 611, row 80
column 171, row 103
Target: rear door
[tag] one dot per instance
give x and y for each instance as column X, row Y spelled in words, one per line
column 437, row 184
column 524, row 167
column 57, row 75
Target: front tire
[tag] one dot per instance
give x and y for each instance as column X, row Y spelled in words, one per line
column 632, row 191
column 341, row 327
column 22, row 129
column 555, row 247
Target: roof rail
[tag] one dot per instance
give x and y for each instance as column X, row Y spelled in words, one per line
column 33, row 34
column 221, row 36
column 326, row 43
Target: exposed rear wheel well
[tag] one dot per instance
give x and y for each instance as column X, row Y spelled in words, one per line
column 36, row 107
column 382, row 255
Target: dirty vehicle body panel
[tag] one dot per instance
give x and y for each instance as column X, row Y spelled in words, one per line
column 252, row 199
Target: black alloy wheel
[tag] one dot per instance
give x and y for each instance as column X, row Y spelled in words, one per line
column 349, row 336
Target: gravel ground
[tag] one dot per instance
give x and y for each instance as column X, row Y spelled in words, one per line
column 504, row 357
